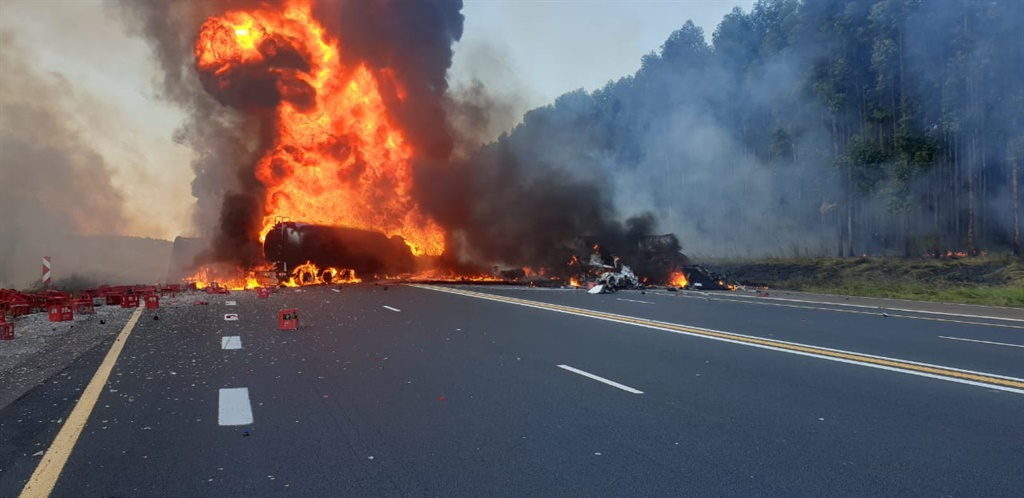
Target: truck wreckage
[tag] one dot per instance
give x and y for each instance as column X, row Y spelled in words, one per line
column 290, row 245
column 302, row 253
column 638, row 262
column 608, row 263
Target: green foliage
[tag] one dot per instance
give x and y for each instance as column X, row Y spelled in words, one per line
column 904, row 114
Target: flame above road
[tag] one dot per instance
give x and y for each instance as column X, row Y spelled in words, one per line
column 677, row 279
column 335, row 157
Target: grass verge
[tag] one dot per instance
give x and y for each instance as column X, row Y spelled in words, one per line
column 993, row 280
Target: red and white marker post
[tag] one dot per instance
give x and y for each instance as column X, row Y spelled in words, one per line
column 47, row 274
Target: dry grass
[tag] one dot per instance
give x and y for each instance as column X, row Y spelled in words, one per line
column 993, row 280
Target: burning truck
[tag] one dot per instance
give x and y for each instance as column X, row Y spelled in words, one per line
column 305, row 253
column 294, row 249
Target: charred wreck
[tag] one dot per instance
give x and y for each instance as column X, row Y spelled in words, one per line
column 368, row 253
column 630, row 261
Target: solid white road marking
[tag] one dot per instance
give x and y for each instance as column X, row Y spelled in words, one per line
column 876, row 312
column 230, row 303
column 392, row 309
column 983, row 342
column 881, row 308
column 600, row 379
column 235, row 408
column 231, row 342
column 231, row 317
column 633, row 300
column 336, row 290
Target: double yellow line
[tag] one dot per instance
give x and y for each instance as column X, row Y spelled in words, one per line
column 922, row 369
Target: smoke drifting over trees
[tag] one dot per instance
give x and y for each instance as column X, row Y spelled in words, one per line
column 815, row 128
column 827, row 127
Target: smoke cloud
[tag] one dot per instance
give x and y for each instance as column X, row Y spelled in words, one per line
column 496, row 209
column 55, row 187
column 226, row 142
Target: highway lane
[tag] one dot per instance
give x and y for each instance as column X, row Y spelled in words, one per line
column 413, row 392
column 914, row 337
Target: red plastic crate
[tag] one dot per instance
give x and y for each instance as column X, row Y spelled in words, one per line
column 20, row 309
column 288, row 319
column 84, row 303
column 61, row 313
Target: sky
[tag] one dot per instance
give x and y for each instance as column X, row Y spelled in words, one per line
column 529, row 51
column 547, row 48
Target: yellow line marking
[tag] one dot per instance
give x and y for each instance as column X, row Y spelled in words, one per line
column 45, row 477
column 1015, row 384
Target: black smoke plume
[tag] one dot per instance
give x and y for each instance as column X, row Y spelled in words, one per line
column 498, row 208
column 57, row 197
column 227, row 132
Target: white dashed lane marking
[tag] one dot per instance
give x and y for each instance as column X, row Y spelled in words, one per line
column 633, row 300
column 234, row 408
column 600, row 379
column 983, row 342
column 231, row 342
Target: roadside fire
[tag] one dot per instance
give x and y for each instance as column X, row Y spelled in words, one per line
column 221, row 276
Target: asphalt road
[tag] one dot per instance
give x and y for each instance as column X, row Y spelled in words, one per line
column 499, row 391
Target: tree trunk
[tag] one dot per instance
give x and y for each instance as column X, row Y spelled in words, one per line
column 849, row 227
column 1015, row 187
column 970, row 192
column 842, row 188
column 839, row 234
column 906, row 233
column 954, row 191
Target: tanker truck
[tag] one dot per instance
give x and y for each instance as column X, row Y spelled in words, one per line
column 368, row 253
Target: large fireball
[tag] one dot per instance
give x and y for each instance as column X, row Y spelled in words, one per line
column 335, row 156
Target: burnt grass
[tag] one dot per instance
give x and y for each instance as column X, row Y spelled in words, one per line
column 993, row 280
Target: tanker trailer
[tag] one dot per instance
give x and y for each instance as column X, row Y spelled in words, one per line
column 290, row 244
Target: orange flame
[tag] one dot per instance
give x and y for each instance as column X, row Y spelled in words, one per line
column 337, row 159
column 677, row 279
column 439, row 275
column 232, row 279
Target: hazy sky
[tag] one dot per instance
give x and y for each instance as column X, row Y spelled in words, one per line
column 533, row 50
column 546, row 48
